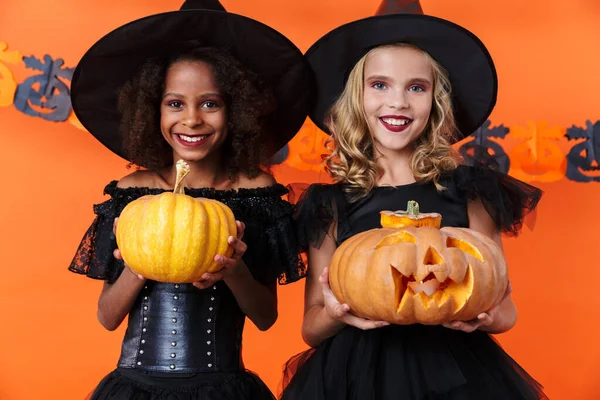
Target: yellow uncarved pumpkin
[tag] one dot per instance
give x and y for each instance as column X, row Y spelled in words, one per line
column 173, row 237
column 411, row 271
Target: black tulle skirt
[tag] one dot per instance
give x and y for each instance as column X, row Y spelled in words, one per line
column 128, row 384
column 408, row 363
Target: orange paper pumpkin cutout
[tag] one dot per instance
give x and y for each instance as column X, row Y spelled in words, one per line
column 8, row 85
column 307, row 148
column 537, row 157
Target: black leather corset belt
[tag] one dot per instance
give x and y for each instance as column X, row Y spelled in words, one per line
column 179, row 328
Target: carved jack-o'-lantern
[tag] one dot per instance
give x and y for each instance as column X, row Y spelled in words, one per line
column 411, row 271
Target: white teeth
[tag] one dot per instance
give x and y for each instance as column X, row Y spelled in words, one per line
column 396, row 122
column 191, row 139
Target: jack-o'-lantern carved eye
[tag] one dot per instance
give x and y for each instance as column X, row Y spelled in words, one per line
column 399, row 237
column 464, row 246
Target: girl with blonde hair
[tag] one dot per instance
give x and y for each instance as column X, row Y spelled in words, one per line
column 395, row 92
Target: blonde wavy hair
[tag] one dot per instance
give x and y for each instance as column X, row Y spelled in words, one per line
column 351, row 158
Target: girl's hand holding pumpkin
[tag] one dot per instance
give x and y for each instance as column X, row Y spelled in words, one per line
column 230, row 264
column 483, row 319
column 341, row 312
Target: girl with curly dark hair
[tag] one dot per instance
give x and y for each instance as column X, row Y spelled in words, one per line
column 242, row 98
column 165, row 88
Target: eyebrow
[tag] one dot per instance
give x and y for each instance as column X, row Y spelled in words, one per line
column 387, row 78
column 378, row 78
column 202, row 96
column 421, row 80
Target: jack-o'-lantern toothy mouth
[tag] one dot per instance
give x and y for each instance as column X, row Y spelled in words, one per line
column 431, row 292
column 440, row 283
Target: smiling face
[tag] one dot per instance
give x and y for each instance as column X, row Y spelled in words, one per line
column 193, row 113
column 398, row 95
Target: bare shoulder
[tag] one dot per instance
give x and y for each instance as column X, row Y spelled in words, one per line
column 264, row 179
column 141, row 178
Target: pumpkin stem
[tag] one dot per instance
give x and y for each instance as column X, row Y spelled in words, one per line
column 182, row 170
column 412, row 208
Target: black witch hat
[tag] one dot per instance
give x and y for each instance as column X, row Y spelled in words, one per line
column 468, row 62
column 117, row 57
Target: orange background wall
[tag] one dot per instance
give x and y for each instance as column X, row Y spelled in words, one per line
column 548, row 57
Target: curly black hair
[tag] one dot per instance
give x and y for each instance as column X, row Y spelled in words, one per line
column 249, row 103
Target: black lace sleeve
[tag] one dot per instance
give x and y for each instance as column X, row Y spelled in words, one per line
column 318, row 207
column 508, row 200
column 94, row 257
column 273, row 252
column 284, row 252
